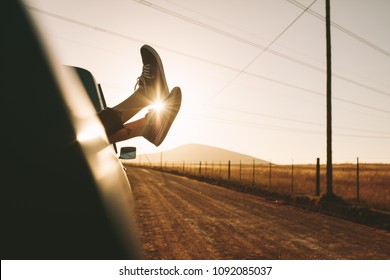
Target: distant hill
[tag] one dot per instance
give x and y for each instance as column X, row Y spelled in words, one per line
column 197, row 152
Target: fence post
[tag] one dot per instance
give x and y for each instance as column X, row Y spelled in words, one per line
column 357, row 180
column 292, row 176
column 200, row 167
column 229, row 170
column 270, row 173
column 318, row 178
column 240, row 170
column 253, row 178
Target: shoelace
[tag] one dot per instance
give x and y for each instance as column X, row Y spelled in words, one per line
column 146, row 75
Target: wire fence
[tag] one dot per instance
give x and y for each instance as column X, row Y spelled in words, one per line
column 360, row 183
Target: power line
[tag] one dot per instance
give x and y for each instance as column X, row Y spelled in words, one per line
column 266, row 115
column 224, row 33
column 264, row 50
column 298, row 121
column 126, row 37
column 362, row 136
column 250, row 43
column 317, row 93
column 351, row 34
column 214, row 19
column 343, row 29
column 280, row 128
column 254, row 124
column 81, row 23
column 384, row 134
column 259, row 37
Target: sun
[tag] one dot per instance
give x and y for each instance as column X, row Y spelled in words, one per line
column 158, row 105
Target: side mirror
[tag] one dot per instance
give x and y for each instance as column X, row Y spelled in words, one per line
column 128, row 153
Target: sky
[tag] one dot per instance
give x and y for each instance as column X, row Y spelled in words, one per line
column 252, row 72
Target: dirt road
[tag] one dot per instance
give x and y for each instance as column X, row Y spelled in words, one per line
column 180, row 218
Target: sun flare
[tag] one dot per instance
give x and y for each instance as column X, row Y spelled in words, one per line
column 158, row 106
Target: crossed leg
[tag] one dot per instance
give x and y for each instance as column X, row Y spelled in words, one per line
column 152, row 87
column 155, row 125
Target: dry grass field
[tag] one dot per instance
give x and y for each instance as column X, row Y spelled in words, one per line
column 373, row 179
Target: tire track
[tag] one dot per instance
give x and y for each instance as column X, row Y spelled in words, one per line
column 180, row 218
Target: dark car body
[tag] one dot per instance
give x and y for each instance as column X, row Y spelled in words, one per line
column 64, row 193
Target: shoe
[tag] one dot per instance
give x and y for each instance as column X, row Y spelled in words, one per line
column 152, row 78
column 159, row 121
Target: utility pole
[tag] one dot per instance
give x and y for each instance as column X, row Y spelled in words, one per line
column 329, row 163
